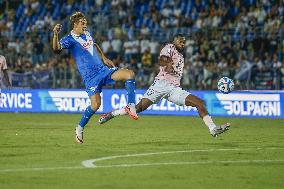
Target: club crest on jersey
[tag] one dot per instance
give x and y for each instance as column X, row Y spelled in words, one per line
column 88, row 45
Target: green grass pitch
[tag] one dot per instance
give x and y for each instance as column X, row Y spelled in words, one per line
column 39, row 151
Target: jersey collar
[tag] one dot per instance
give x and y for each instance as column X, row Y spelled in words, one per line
column 74, row 34
column 87, row 45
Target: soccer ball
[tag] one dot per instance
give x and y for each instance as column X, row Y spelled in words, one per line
column 225, row 85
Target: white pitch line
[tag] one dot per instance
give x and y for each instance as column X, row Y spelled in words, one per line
column 191, row 163
column 39, row 169
column 91, row 163
column 87, row 164
column 144, row 164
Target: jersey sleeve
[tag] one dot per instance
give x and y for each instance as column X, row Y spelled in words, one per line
column 167, row 51
column 66, row 43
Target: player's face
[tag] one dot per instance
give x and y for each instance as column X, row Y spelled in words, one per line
column 179, row 42
column 81, row 26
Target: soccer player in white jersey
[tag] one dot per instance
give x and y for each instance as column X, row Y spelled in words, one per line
column 4, row 70
column 167, row 85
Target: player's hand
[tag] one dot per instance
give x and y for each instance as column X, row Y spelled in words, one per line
column 109, row 63
column 57, row 28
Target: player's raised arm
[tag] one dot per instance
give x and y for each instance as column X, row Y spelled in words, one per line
column 55, row 41
column 167, row 62
column 164, row 60
column 107, row 61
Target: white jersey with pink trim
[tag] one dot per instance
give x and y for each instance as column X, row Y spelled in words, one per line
column 178, row 63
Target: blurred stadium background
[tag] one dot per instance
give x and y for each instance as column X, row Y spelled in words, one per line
column 240, row 39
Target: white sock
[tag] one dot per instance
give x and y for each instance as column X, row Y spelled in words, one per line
column 209, row 122
column 132, row 104
column 119, row 112
column 80, row 128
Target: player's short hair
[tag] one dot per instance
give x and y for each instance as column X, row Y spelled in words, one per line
column 178, row 36
column 76, row 17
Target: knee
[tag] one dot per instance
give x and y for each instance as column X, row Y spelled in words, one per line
column 200, row 104
column 95, row 105
column 130, row 74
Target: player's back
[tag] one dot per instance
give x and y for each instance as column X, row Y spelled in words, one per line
column 85, row 54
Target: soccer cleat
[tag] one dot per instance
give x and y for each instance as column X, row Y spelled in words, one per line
column 79, row 134
column 223, row 128
column 131, row 110
column 105, row 117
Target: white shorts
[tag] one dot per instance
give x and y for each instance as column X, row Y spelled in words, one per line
column 162, row 89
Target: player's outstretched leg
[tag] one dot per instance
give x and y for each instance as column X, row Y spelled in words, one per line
column 214, row 130
column 128, row 77
column 108, row 116
column 140, row 107
column 89, row 112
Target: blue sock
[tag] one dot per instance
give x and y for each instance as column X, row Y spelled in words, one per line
column 130, row 88
column 86, row 116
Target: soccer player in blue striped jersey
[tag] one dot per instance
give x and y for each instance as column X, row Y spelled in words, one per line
column 95, row 68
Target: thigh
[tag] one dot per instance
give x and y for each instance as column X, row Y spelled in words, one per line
column 178, row 96
column 122, row 74
column 157, row 91
column 192, row 100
